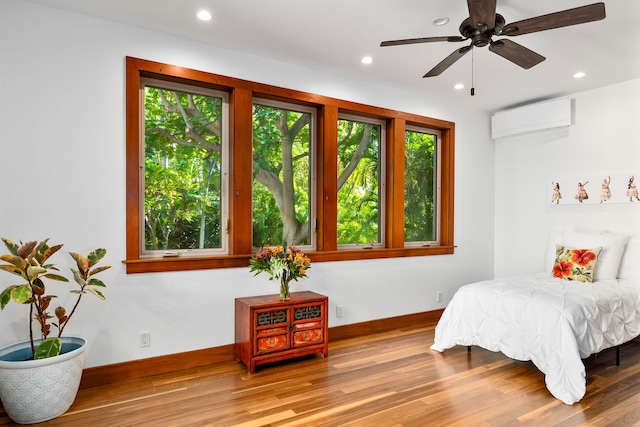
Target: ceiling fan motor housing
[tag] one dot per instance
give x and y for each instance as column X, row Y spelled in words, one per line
column 481, row 36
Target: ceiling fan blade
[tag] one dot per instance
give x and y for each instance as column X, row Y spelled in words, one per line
column 448, row 61
column 422, row 40
column 482, row 14
column 565, row 18
column 516, row 53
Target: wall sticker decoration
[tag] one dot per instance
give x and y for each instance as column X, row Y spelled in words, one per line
column 593, row 190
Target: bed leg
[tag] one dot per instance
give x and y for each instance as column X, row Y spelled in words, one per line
column 469, row 348
column 617, row 355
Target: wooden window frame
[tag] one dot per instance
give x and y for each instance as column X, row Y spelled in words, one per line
column 241, row 96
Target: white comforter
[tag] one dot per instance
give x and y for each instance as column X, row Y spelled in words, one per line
column 552, row 322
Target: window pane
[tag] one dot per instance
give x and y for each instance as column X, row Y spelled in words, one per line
column 420, row 187
column 183, row 170
column 358, row 182
column 281, row 175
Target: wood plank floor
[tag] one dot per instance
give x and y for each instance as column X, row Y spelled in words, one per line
column 388, row 379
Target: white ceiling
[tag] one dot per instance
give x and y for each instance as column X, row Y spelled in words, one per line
column 333, row 35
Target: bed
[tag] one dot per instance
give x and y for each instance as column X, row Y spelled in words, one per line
column 550, row 319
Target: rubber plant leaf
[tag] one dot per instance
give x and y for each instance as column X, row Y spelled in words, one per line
column 57, row 277
column 26, row 248
column 96, row 282
column 11, row 245
column 83, row 264
column 22, row 293
column 15, row 260
column 34, row 271
column 48, row 348
column 11, row 269
column 96, row 255
column 5, row 296
column 50, row 251
column 99, row 269
column 96, row 293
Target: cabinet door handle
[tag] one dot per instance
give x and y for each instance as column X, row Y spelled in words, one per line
column 291, row 326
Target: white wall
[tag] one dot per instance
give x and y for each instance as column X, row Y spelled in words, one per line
column 603, row 140
column 62, row 173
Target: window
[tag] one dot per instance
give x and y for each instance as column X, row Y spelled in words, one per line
column 282, row 174
column 421, row 187
column 184, row 170
column 218, row 166
column 360, row 184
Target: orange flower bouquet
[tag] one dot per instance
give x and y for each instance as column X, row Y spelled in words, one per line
column 281, row 265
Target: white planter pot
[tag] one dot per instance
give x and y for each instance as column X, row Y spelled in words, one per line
column 33, row 391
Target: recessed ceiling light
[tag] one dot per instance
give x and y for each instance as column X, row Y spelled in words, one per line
column 579, row 75
column 366, row 60
column 204, row 15
column 459, row 86
column 439, row 21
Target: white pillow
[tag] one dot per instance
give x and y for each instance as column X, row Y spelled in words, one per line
column 612, row 250
column 630, row 262
column 554, row 238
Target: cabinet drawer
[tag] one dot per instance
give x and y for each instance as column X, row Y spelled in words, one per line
column 269, row 344
column 308, row 337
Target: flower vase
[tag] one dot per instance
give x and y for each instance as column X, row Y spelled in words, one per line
column 285, row 294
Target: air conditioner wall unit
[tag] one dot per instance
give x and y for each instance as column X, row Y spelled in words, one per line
column 531, row 118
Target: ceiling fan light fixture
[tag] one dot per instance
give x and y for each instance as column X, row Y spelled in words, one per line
column 366, row 60
column 440, row 21
column 579, row 75
column 459, row 86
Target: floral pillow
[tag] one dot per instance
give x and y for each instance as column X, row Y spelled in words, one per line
column 575, row 264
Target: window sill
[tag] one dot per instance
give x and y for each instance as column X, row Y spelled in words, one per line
column 155, row 265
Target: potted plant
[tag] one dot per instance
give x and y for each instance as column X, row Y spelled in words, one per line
column 39, row 378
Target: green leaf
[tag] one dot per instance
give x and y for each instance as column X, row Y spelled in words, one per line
column 12, row 269
column 77, row 276
column 56, row 277
column 5, row 296
column 48, row 348
column 99, row 269
column 34, row 271
column 96, row 293
column 96, row 255
column 12, row 246
column 96, row 282
column 21, row 293
column 40, row 250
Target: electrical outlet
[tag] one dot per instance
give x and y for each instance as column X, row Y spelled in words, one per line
column 339, row 310
column 439, row 296
column 145, row 339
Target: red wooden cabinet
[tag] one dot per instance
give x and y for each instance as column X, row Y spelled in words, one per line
column 269, row 330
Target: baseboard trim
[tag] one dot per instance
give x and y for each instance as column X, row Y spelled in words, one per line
column 109, row 374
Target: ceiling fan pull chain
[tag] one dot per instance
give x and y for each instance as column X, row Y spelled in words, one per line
column 473, row 89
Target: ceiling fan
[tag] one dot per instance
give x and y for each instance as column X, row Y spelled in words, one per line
column 483, row 23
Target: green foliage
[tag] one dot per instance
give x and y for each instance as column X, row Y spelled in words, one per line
column 183, row 175
column 419, row 201
column 183, row 170
column 48, row 348
column 359, row 188
column 281, row 188
column 29, row 261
